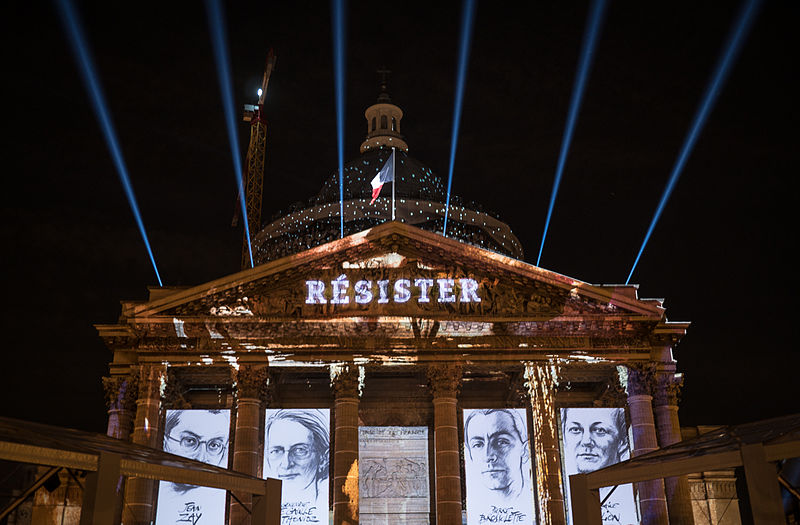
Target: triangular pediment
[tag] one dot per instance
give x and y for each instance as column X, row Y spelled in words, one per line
column 440, row 277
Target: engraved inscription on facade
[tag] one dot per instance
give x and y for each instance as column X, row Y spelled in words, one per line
column 394, row 483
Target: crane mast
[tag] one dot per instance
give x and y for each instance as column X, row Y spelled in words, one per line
column 253, row 174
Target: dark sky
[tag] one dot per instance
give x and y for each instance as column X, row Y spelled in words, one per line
column 720, row 255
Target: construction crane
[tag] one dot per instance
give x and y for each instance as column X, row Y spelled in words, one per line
column 253, row 174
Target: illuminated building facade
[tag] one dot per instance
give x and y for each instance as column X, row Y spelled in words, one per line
column 390, row 336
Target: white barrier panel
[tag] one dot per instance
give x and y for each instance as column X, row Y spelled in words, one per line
column 202, row 435
column 297, row 451
column 497, row 464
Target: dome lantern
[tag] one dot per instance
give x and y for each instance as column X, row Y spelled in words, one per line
column 421, row 199
column 383, row 121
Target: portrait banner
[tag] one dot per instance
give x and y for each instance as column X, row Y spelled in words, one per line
column 394, row 480
column 591, row 439
column 497, row 464
column 202, row 435
column 297, row 452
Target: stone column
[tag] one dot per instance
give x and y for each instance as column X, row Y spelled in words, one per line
column 121, row 393
column 640, row 403
column 668, row 428
column 445, row 381
column 344, row 380
column 140, row 492
column 251, row 389
column 541, row 380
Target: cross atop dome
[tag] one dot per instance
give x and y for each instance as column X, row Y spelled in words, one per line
column 384, row 73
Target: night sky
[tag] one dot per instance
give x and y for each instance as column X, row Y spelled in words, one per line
column 720, row 255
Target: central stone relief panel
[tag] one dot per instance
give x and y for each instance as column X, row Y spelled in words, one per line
column 394, row 483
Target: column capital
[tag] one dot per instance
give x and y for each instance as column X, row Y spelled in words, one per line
column 614, row 394
column 445, row 379
column 518, row 393
column 151, row 378
column 121, row 391
column 344, row 380
column 173, row 391
column 641, row 378
column 252, row 381
column 667, row 389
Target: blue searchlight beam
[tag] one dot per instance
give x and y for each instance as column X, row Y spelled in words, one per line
column 467, row 22
column 593, row 24
column 80, row 49
column 219, row 39
column 734, row 43
column 338, row 32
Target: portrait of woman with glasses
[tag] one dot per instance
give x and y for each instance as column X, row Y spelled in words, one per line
column 202, row 435
column 296, row 451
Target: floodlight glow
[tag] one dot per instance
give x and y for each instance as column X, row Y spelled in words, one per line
column 338, row 31
column 219, row 40
column 260, row 91
column 80, row 49
column 587, row 50
column 467, row 21
column 731, row 50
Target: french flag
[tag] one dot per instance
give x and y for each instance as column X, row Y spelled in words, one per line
column 385, row 175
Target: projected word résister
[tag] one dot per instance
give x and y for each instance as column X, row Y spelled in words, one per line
column 425, row 290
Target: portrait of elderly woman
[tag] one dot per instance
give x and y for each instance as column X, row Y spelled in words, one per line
column 297, row 451
column 201, row 435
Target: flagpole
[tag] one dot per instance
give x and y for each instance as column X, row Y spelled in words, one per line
column 394, row 182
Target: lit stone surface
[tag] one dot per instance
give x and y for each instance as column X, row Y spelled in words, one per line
column 392, row 364
column 393, row 476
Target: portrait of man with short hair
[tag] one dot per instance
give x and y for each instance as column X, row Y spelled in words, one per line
column 201, row 435
column 595, row 438
column 497, row 466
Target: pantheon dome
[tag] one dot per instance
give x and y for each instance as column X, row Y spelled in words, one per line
column 420, row 198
